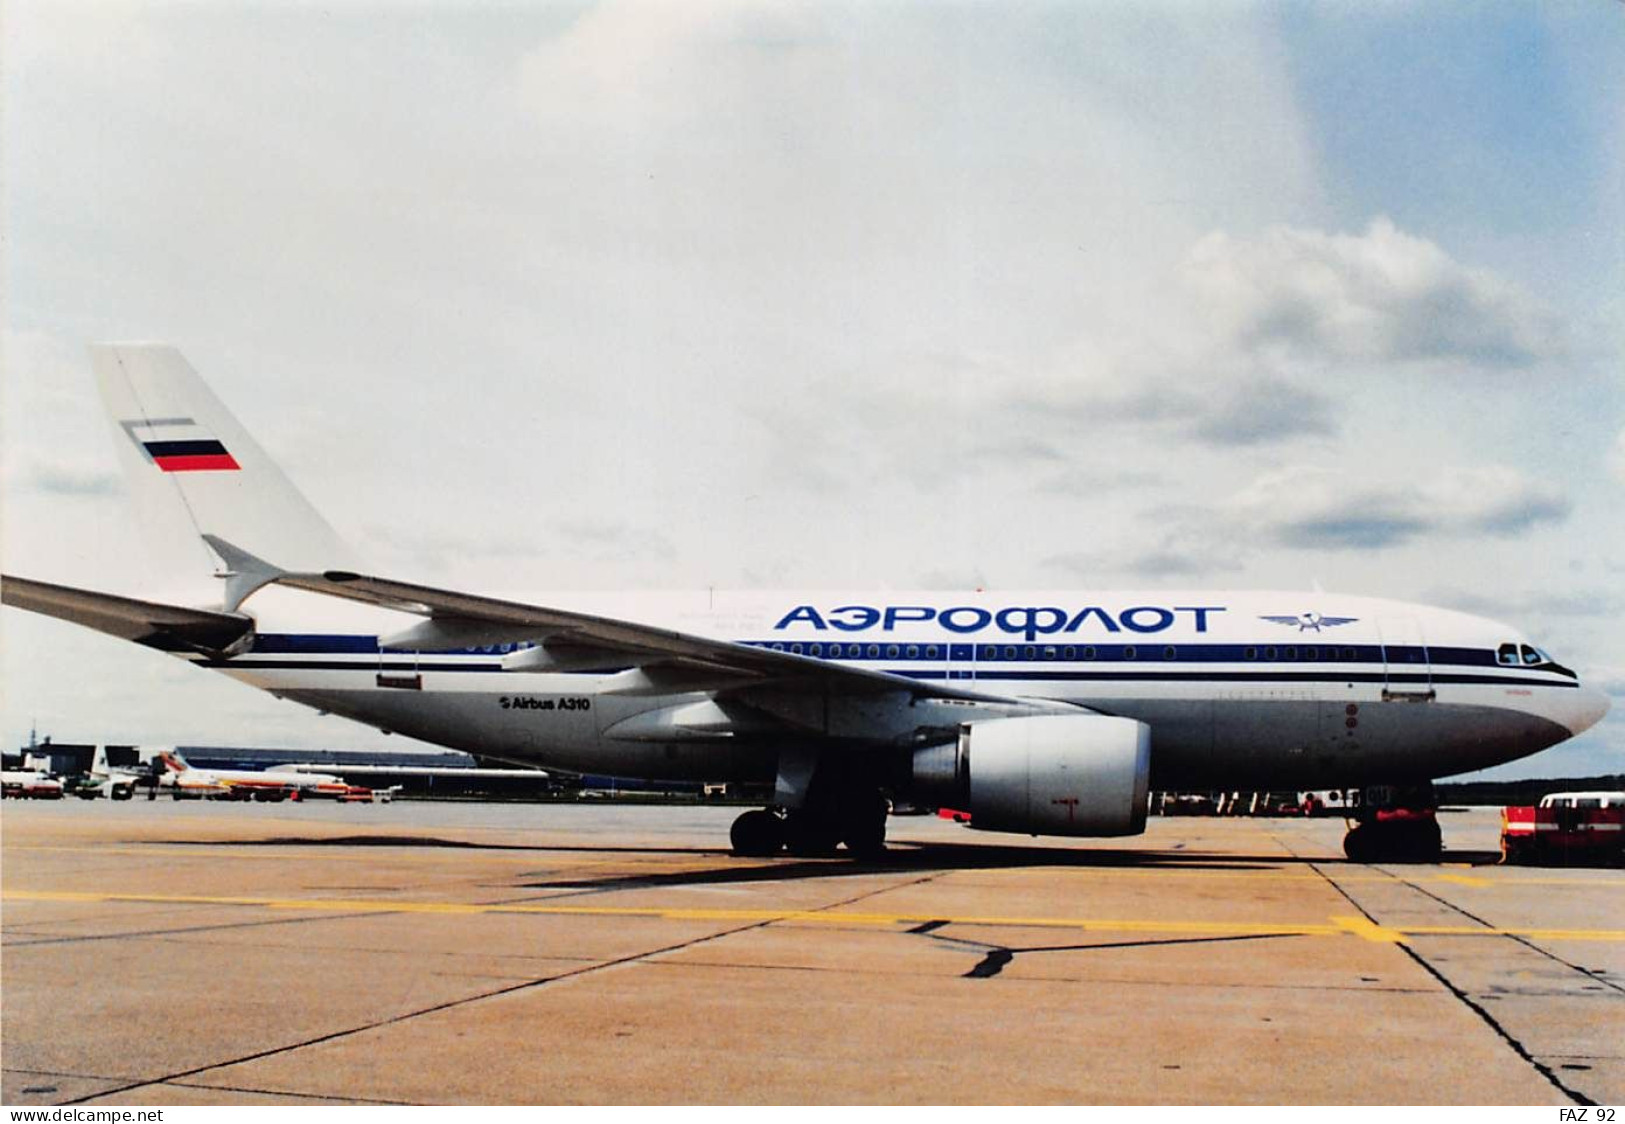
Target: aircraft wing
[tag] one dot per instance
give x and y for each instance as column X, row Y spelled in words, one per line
column 702, row 662
column 167, row 627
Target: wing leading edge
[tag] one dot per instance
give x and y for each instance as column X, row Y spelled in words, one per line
column 167, row 627
column 582, row 639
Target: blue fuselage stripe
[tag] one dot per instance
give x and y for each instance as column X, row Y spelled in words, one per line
column 1072, row 663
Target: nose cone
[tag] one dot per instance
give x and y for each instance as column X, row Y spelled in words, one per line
column 1585, row 710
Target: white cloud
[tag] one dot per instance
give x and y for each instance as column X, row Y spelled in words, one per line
column 1383, row 296
column 1252, row 340
column 1616, row 459
column 1315, row 507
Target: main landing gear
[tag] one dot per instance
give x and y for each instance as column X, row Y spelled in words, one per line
column 854, row 819
column 1396, row 825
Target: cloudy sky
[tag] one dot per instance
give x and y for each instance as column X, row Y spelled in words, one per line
column 660, row 295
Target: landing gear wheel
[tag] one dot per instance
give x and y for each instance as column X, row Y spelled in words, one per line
column 757, row 834
column 1360, row 844
column 863, row 826
column 1399, row 840
column 810, row 835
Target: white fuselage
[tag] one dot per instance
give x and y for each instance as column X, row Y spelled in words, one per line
column 1240, row 690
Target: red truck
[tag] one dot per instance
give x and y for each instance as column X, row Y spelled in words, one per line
column 1566, row 829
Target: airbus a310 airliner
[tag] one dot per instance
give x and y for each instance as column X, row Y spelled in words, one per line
column 1050, row 713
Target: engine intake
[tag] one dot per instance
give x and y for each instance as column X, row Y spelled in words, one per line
column 1051, row 774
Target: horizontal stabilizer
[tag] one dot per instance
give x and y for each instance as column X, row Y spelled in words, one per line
column 170, row 628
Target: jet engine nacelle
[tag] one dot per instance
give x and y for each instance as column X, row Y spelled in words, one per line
column 1061, row 774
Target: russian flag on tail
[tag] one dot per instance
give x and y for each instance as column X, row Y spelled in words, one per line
column 181, row 445
column 190, row 456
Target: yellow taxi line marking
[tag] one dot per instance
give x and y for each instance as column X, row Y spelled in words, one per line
column 1463, row 880
column 1337, row 926
column 1366, row 929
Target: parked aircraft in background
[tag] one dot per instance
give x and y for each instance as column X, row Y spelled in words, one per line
column 1046, row 713
column 244, row 784
column 112, row 781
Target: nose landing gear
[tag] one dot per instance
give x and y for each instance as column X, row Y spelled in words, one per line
column 1396, row 825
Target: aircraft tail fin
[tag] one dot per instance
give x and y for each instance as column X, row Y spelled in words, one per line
column 196, row 473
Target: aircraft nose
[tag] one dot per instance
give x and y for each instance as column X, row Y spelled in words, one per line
column 1586, row 710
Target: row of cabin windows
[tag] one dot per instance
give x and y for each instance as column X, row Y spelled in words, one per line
column 1508, row 655
column 872, row 651
column 991, row 653
column 1293, row 652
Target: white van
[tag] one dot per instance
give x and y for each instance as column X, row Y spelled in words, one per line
column 1583, row 800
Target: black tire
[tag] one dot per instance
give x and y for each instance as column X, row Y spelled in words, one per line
column 864, row 826
column 1358, row 845
column 811, row 836
column 1415, row 841
column 1424, row 843
column 758, row 834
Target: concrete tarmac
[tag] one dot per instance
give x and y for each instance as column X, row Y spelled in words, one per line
column 209, row 953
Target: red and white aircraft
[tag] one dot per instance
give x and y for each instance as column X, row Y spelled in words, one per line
column 248, row 784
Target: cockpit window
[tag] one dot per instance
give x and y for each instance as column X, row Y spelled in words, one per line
column 1524, row 655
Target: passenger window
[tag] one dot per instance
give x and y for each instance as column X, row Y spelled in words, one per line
column 913, row 651
column 1129, row 653
column 1070, row 652
column 1269, row 653
column 1049, row 653
column 1009, row 651
column 1170, row 653
column 1029, row 652
column 874, row 651
column 1290, row 653
column 891, row 651
column 1251, row 653
column 795, row 649
column 1089, row 652
column 816, row 649
column 1311, row 653
column 930, row 651
column 989, row 652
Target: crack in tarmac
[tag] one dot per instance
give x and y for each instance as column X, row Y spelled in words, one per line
column 1460, row 995
column 523, row 985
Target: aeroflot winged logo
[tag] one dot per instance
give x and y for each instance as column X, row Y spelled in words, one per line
column 179, row 445
column 1310, row 622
